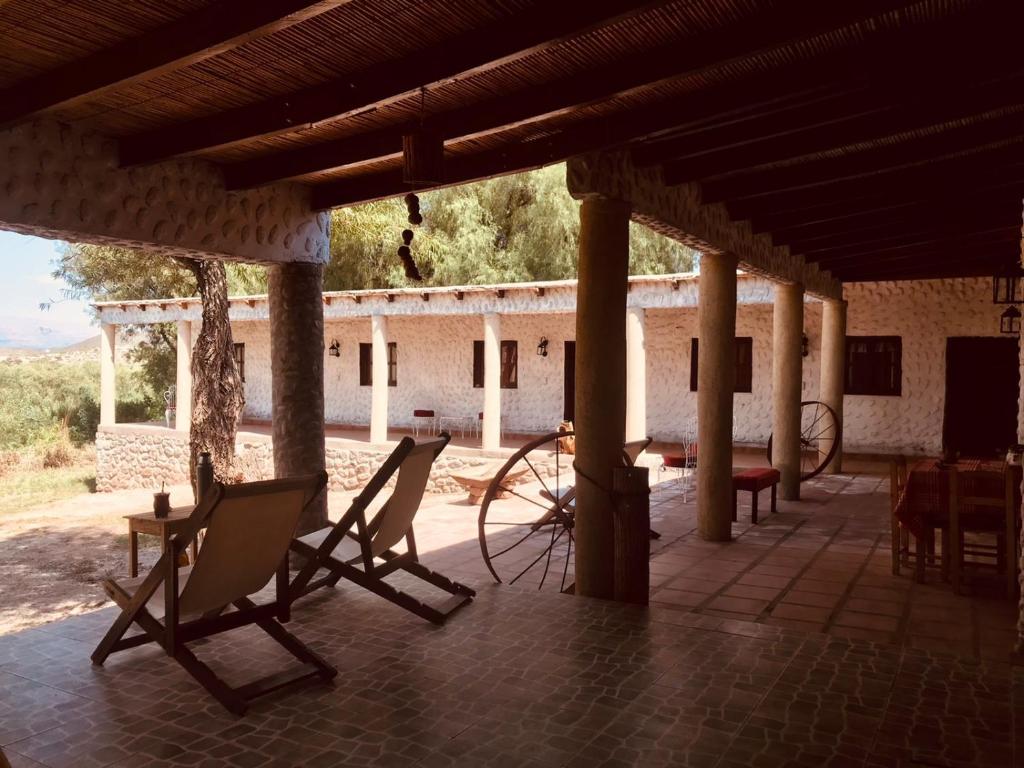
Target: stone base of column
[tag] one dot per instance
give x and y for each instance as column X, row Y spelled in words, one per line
column 297, row 369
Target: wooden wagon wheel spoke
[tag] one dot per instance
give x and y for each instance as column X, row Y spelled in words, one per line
column 505, row 510
column 812, row 463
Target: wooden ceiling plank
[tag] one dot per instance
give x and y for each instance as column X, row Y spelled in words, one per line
column 208, row 32
column 999, row 234
column 473, row 52
column 761, row 33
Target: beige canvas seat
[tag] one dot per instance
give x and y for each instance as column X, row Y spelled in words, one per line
column 248, row 531
column 362, row 550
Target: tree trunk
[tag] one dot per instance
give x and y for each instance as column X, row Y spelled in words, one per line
column 218, row 395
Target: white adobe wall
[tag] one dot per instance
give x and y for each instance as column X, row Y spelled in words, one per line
column 435, row 356
column 924, row 314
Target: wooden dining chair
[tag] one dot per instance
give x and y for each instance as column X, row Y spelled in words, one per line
column 984, row 503
column 900, row 535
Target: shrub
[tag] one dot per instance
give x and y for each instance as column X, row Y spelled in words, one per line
column 58, row 455
column 9, row 460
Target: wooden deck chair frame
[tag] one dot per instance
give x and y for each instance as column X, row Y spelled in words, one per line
column 364, row 569
column 173, row 635
column 1005, row 530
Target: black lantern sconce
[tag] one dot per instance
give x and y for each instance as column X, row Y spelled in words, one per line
column 1009, row 321
column 542, row 347
column 805, row 345
column 1008, row 286
column 334, row 350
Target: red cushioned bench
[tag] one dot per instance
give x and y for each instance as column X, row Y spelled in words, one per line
column 754, row 480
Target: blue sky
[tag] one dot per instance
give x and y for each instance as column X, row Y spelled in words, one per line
column 26, row 264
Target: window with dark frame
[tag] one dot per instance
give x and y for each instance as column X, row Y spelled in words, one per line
column 509, row 364
column 366, row 364
column 238, row 351
column 874, row 365
column 744, row 364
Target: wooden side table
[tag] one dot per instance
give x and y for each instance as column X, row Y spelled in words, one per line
column 164, row 527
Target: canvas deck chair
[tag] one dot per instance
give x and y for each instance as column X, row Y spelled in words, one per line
column 249, row 528
column 361, row 550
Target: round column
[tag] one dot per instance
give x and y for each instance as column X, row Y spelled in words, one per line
column 833, row 373
column 492, row 382
column 600, row 386
column 379, row 383
column 636, row 375
column 183, row 377
column 297, row 376
column 716, row 376
column 108, row 382
column 788, row 328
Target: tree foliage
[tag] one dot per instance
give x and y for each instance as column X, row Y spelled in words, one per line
column 509, row 229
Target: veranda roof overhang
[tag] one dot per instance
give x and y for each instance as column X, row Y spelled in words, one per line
column 880, row 139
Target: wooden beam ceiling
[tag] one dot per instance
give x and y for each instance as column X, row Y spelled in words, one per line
column 207, row 32
column 760, row 34
column 476, row 51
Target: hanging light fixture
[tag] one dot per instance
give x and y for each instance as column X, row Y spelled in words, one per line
column 1009, row 321
column 335, row 349
column 1008, row 285
column 542, row 347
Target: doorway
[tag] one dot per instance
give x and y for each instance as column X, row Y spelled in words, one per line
column 569, row 377
column 982, row 388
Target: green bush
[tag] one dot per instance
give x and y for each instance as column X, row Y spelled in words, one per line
column 46, row 401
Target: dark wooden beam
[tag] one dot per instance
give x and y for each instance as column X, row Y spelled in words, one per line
column 760, row 33
column 950, row 220
column 909, row 212
column 981, row 168
column 211, row 31
column 965, row 241
column 890, row 151
column 886, row 109
column 542, row 26
column 948, row 190
column 914, row 240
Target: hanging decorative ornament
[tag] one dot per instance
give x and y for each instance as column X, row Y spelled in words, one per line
column 411, row 270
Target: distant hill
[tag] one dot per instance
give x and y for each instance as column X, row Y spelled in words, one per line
column 89, row 345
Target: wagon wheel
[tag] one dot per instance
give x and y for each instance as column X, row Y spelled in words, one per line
column 818, row 422
column 528, row 515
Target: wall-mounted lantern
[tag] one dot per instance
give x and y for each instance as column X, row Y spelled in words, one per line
column 805, row 345
column 1009, row 321
column 334, row 350
column 542, row 347
column 1008, row 285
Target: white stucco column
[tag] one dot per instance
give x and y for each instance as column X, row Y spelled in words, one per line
column 716, row 376
column 108, row 382
column 379, row 404
column 183, row 380
column 492, row 381
column 833, row 374
column 787, row 329
column 636, row 374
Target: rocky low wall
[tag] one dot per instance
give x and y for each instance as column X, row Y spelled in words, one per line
column 143, row 456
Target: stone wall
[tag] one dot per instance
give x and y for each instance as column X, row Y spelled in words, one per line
column 142, row 456
column 61, row 182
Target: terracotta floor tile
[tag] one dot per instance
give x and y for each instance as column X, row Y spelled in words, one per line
column 804, row 584
column 882, row 607
column 738, row 605
column 811, row 613
column 748, row 590
column 867, row 621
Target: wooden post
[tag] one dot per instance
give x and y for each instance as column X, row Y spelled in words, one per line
column 632, row 491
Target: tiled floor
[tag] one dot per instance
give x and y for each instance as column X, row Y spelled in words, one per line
column 715, row 673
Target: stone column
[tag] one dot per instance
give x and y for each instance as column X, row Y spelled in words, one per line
column 636, row 375
column 492, row 381
column 297, row 376
column 379, row 368
column 788, row 329
column 183, row 381
column 833, row 373
column 600, row 386
column 716, row 376
column 108, row 379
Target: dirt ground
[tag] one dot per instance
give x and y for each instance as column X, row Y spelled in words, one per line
column 53, row 557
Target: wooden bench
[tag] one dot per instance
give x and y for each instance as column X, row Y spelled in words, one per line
column 754, row 480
